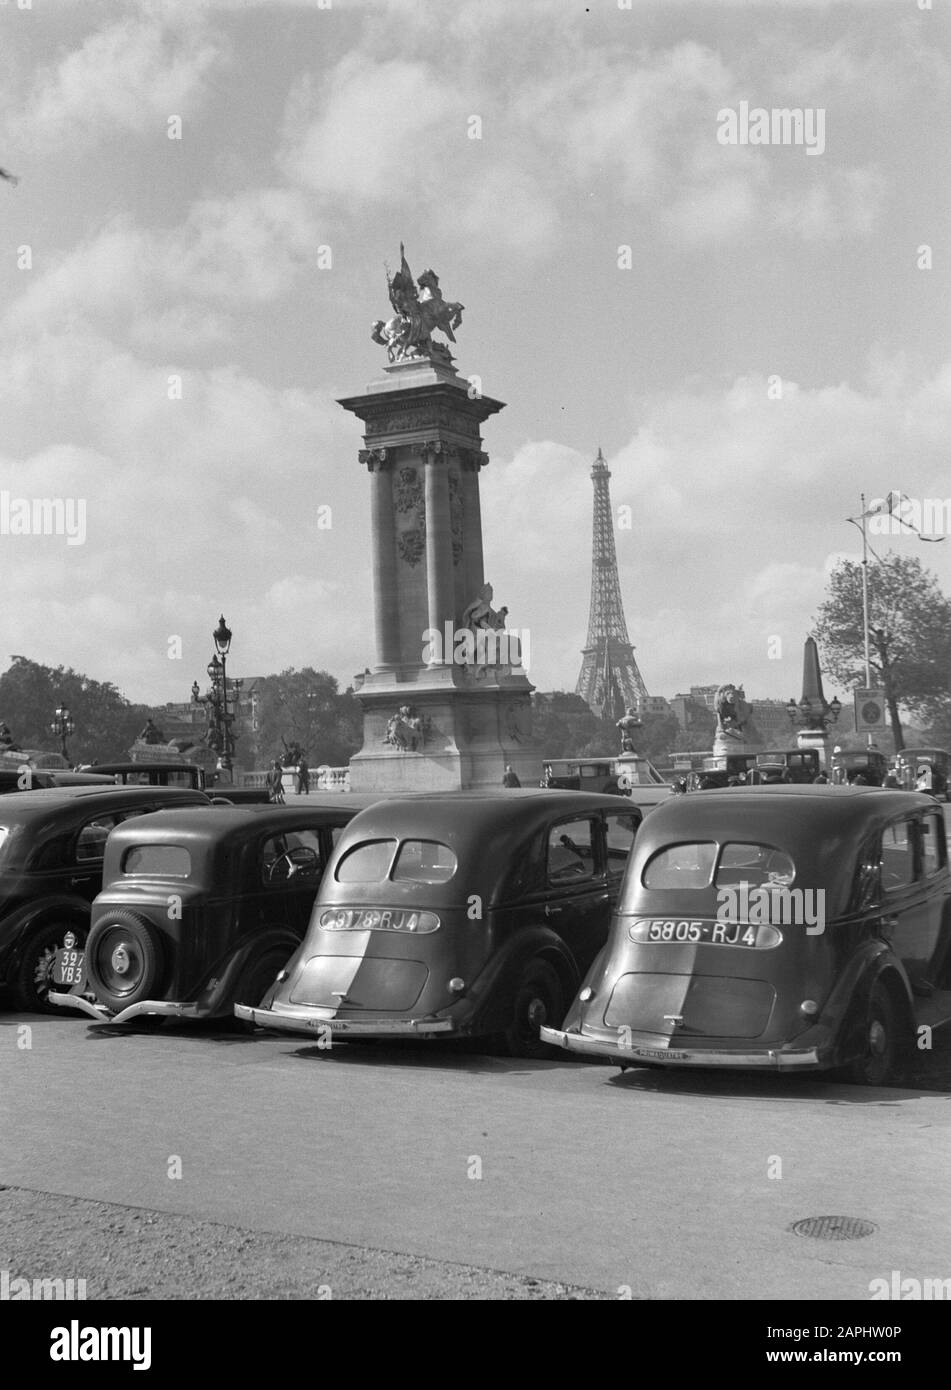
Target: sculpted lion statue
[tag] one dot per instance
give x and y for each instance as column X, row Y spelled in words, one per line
column 732, row 710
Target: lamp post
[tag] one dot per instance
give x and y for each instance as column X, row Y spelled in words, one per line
column 220, row 736
column 61, row 726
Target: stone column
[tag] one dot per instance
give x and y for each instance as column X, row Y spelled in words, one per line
column 472, row 559
column 439, row 585
column 386, row 617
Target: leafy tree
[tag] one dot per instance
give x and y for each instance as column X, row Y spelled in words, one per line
column 909, row 634
column 306, row 707
column 106, row 722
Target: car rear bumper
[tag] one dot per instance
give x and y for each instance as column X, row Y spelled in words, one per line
column 163, row 1007
column 305, row 1021
column 773, row 1059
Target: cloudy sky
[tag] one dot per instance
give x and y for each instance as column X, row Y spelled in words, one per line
column 769, row 348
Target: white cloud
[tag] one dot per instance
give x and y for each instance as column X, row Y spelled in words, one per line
column 129, row 77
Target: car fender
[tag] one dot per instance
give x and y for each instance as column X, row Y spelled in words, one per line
column 844, row 1013
column 18, row 925
column 215, row 995
column 491, row 990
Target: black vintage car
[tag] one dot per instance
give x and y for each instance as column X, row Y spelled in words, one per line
column 51, row 849
column 457, row 914
column 199, row 909
column 787, row 928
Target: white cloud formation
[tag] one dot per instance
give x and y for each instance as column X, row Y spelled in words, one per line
column 128, row 77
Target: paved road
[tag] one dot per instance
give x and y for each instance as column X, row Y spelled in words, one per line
column 562, row 1171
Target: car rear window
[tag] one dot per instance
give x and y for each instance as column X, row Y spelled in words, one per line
column 368, row 862
column 424, row 861
column 681, row 866
column 163, row 861
column 692, row 866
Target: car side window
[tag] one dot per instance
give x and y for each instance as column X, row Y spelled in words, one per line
column 571, row 852
column 91, row 842
column 934, row 855
column 898, row 856
column 619, row 833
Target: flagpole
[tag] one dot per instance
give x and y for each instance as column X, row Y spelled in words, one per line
column 868, row 665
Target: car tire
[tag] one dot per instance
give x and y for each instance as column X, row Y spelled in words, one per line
column 256, row 979
column 539, row 998
column 123, row 959
column 33, row 980
column 879, row 1064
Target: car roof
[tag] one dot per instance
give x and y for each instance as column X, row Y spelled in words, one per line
column 199, row 822
column 487, row 809
column 150, row 766
column 45, row 801
column 804, row 811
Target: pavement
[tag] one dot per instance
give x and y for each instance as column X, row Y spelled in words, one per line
column 653, row 1184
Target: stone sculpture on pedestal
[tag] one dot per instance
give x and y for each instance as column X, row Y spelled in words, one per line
column 468, row 717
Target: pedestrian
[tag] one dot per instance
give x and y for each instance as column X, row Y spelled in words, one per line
column 510, row 778
column 275, row 783
column 303, row 777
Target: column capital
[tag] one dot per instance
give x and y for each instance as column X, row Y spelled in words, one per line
column 375, row 459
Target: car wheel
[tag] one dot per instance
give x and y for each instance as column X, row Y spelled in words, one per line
column 879, row 1063
column 538, row 999
column 255, row 981
column 123, row 959
column 34, row 977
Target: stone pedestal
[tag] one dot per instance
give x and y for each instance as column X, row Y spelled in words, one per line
column 723, row 744
column 462, row 723
column 815, row 738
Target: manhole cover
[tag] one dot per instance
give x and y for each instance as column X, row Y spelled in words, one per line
column 834, row 1227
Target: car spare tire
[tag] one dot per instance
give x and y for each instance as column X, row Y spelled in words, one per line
column 123, row 959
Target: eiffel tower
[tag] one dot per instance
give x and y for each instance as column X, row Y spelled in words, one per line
column 609, row 681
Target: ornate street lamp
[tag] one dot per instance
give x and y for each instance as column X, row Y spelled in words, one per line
column 220, row 736
column 62, row 726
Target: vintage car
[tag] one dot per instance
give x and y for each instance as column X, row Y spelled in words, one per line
column 867, row 766
column 457, row 914
column 630, row 774
column 51, row 848
column 31, row 779
column 151, row 774
column 800, row 765
column 240, row 882
column 786, row 927
column 716, row 769
column 924, row 769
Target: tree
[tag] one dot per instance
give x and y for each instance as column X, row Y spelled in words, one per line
column 106, row 723
column 909, row 634
column 306, row 707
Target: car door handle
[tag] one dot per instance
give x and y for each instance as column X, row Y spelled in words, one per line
column 553, row 911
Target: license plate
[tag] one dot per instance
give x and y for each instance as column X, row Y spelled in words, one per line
column 660, row 1053
column 709, row 933
column 68, row 967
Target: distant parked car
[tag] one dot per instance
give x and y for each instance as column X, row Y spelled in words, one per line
column 31, row 779
column 151, row 774
column 784, row 928
column 924, row 769
column 456, row 915
column 199, row 909
column 867, row 766
column 51, row 850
